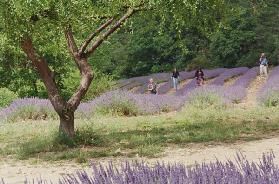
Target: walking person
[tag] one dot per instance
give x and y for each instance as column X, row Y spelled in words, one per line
column 175, row 78
column 263, row 65
column 199, row 75
column 152, row 87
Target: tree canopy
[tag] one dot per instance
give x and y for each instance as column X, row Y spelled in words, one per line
column 52, row 32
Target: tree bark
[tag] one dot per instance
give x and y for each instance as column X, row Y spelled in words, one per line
column 67, row 124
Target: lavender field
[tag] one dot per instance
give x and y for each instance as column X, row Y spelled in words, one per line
column 132, row 103
column 131, row 123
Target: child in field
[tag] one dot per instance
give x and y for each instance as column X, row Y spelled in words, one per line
column 263, row 65
column 152, row 87
column 175, row 78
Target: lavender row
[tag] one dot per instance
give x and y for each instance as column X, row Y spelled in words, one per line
column 238, row 89
column 229, row 74
column 247, row 78
column 271, row 86
column 226, row 95
column 28, row 108
column 208, row 74
column 239, row 172
column 159, row 77
column 143, row 103
column 138, row 104
column 128, row 84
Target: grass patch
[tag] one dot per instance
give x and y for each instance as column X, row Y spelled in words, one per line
column 143, row 135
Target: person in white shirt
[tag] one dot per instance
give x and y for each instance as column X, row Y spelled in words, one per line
column 263, row 65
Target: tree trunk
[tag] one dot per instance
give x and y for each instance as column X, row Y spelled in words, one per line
column 67, row 124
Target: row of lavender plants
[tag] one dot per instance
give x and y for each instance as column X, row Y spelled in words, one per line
column 231, row 94
column 128, row 84
column 192, row 84
column 127, row 103
column 269, row 93
column 240, row 171
column 229, row 74
column 114, row 102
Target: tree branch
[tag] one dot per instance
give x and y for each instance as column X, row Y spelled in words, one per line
column 86, row 79
column 91, row 36
column 117, row 25
column 45, row 73
column 72, row 46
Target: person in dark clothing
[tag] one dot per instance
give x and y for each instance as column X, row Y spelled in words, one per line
column 175, row 78
column 152, row 87
column 199, row 75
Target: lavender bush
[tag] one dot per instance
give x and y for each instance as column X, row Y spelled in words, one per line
column 239, row 172
column 229, row 74
column 238, row 90
column 269, row 94
column 141, row 103
column 208, row 74
column 210, row 95
column 28, row 108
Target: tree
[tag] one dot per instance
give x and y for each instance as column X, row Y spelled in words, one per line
column 38, row 25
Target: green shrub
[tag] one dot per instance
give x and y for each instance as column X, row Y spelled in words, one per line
column 199, row 61
column 272, row 100
column 101, row 84
column 6, row 97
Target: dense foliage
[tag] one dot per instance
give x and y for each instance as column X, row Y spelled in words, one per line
column 6, row 97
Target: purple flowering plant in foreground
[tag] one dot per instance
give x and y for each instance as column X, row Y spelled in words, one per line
column 240, row 171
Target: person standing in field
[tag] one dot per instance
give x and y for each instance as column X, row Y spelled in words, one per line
column 175, row 78
column 263, row 65
column 199, row 75
column 152, row 87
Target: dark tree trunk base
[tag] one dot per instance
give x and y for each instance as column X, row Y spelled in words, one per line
column 67, row 124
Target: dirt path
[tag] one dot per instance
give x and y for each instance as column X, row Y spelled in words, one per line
column 17, row 171
column 252, row 92
column 180, row 85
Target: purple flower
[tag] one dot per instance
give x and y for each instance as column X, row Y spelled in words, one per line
column 271, row 86
column 239, row 172
column 229, row 74
column 208, row 74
